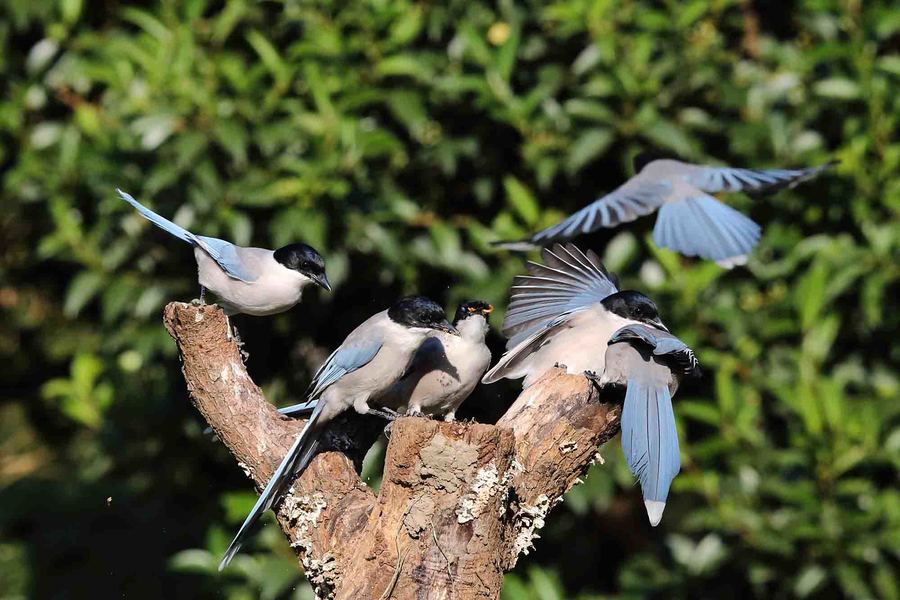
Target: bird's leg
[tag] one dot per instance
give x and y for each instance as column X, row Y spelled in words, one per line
column 201, row 301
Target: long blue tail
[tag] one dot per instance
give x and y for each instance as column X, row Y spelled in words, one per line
column 650, row 442
column 294, row 462
column 163, row 223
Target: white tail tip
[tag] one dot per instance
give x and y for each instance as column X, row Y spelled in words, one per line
column 734, row 261
column 655, row 510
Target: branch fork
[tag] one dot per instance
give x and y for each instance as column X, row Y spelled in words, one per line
column 458, row 504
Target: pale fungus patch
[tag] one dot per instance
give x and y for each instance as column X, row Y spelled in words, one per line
column 487, row 484
column 303, row 513
column 528, row 520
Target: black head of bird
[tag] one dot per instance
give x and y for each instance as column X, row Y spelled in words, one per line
column 420, row 312
column 635, row 306
column 472, row 308
column 304, row 259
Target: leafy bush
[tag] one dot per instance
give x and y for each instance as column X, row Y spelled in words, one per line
column 400, row 138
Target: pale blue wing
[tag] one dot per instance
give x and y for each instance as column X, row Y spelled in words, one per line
column 227, row 255
column 224, row 253
column 702, row 226
column 650, row 442
column 727, row 179
column 662, row 343
column 569, row 280
column 345, row 359
column 628, row 202
column 163, row 223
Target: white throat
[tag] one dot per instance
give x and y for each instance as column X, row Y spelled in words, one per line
column 473, row 329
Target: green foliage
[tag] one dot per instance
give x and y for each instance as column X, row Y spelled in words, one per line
column 400, row 138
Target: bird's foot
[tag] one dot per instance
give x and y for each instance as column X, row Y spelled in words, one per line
column 387, row 429
column 232, row 334
column 416, row 412
column 597, row 380
column 201, row 301
column 385, row 413
column 559, row 366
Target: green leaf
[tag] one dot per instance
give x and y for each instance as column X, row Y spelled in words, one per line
column 588, row 146
column 194, row 561
column 809, row 580
column 838, row 89
column 82, row 290
column 521, row 199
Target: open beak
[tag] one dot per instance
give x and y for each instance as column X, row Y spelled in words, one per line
column 446, row 327
column 657, row 322
column 322, row 281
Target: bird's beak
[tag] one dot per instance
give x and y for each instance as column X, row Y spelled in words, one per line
column 446, row 327
column 322, row 281
column 488, row 310
column 657, row 322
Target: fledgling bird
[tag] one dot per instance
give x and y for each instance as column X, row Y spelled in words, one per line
column 651, row 364
column 252, row 281
column 690, row 221
column 369, row 361
column 563, row 314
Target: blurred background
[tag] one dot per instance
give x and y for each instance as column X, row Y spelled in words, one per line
column 399, row 138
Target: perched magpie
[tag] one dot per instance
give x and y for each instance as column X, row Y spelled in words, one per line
column 369, row 361
column 252, row 281
column 563, row 314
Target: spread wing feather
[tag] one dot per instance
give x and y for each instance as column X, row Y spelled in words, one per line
column 569, row 280
column 633, row 199
column 728, row 179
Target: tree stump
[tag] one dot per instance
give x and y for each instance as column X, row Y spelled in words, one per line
column 459, row 502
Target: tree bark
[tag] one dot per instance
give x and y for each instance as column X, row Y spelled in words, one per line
column 458, row 504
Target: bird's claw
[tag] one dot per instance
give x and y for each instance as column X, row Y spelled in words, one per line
column 198, row 302
column 415, row 412
column 559, row 366
column 594, row 378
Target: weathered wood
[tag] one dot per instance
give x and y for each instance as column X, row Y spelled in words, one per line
column 459, row 502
